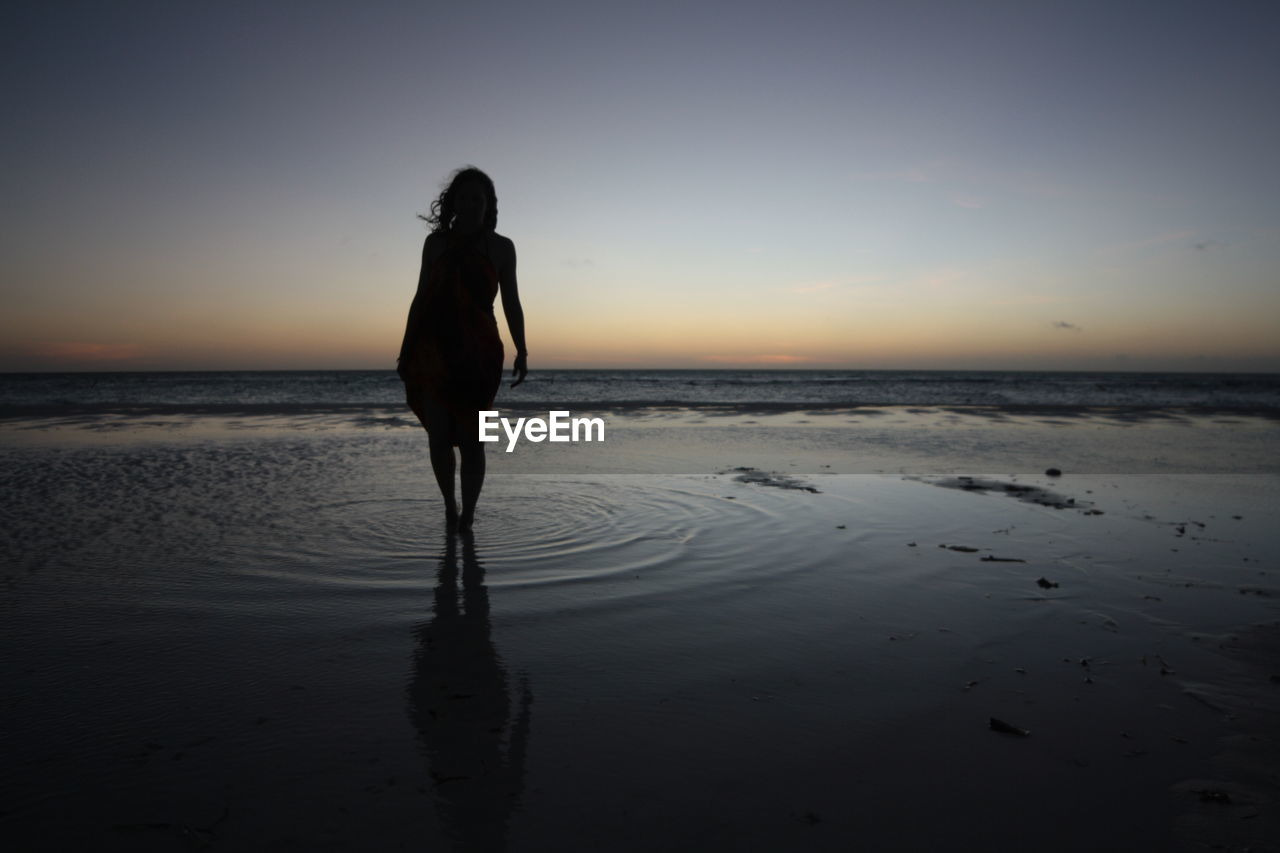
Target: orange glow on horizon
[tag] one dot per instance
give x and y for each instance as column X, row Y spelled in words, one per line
column 86, row 351
column 876, row 337
column 757, row 359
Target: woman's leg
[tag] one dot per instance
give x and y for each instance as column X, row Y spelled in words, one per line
column 439, row 425
column 472, row 453
column 443, row 466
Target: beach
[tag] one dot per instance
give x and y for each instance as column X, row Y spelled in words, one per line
column 885, row 414
column 881, row 628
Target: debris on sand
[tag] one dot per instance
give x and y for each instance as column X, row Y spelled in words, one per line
column 1027, row 494
column 1007, row 728
column 778, row 481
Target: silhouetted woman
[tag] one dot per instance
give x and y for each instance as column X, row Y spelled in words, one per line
column 451, row 359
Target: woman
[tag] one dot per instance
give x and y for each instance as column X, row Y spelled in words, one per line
column 451, row 358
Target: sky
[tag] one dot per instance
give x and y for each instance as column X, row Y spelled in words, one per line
column 868, row 185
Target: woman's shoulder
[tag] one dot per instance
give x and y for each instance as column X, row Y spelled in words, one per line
column 436, row 241
column 503, row 245
column 435, row 245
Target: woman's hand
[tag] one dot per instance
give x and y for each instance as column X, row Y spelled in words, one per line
column 521, row 368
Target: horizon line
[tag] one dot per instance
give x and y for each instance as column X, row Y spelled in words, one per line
column 754, row 369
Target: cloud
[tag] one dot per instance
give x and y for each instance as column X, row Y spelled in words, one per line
column 1029, row 299
column 832, row 283
column 757, row 359
column 85, row 351
column 812, row 287
column 919, row 174
column 1063, row 324
column 942, row 278
column 1157, row 240
column 969, row 201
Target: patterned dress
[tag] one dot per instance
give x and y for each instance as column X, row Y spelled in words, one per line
column 455, row 358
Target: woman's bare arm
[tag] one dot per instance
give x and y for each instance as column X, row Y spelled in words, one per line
column 512, row 309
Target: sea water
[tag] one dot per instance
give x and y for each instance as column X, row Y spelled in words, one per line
column 302, row 391
column 262, row 636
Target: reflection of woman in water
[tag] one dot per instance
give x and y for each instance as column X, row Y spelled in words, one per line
column 461, row 704
column 451, row 358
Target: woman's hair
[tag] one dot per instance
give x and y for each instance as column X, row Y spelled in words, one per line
column 441, row 216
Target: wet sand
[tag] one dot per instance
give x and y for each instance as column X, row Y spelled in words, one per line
column 267, row 642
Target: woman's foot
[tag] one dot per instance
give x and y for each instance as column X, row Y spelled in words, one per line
column 465, row 521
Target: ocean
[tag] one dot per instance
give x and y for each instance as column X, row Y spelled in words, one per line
column 771, row 610
column 700, row 421
column 283, row 392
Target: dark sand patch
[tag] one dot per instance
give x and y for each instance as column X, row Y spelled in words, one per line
column 1027, row 494
column 1237, row 809
column 757, row 477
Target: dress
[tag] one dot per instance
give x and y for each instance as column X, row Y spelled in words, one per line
column 455, row 357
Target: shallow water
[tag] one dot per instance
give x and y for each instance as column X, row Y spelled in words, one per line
column 271, row 642
column 706, row 441
column 302, row 391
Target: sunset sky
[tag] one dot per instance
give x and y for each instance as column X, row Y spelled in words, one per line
column 1052, row 185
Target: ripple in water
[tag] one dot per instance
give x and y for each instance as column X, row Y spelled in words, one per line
column 542, row 531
